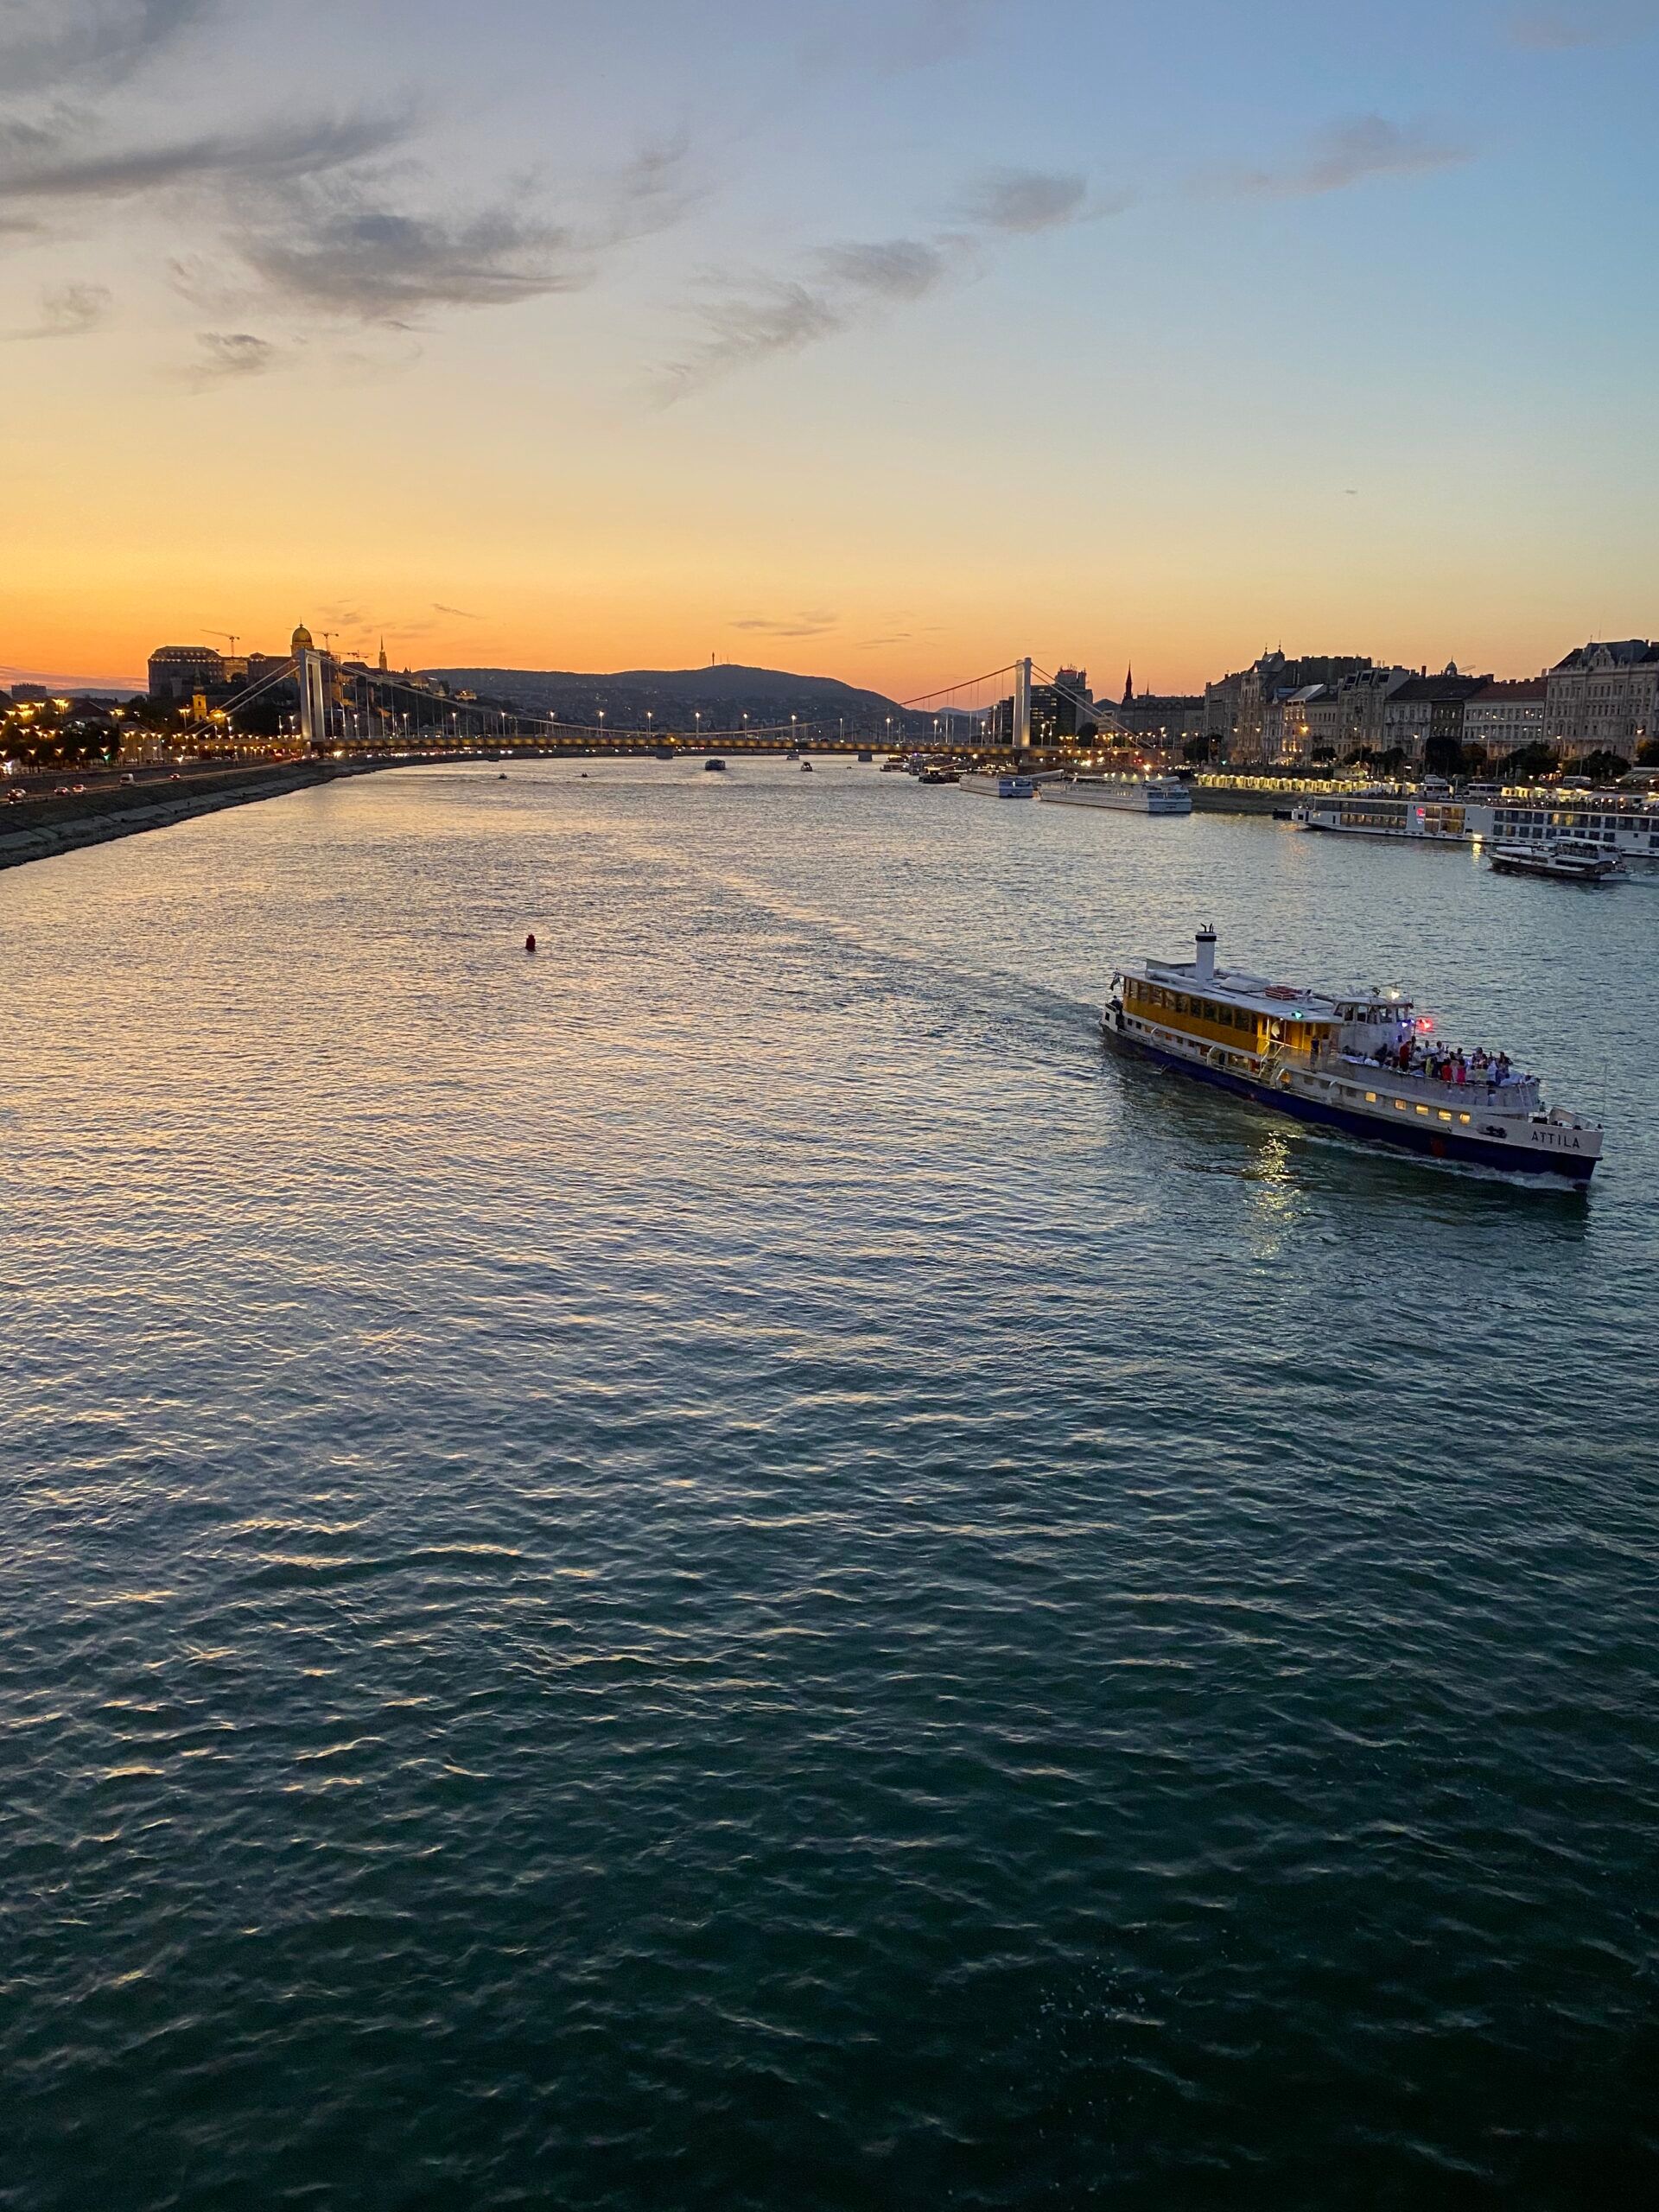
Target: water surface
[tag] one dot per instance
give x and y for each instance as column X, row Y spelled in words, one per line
column 724, row 1568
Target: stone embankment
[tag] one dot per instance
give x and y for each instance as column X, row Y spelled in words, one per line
column 44, row 825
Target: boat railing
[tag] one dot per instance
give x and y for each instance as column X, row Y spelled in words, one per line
column 1511, row 1096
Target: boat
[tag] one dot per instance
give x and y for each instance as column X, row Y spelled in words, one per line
column 1358, row 1061
column 807, row 767
column 1623, row 824
column 714, row 768
column 663, row 752
column 940, row 776
column 1127, row 794
column 865, row 755
column 990, row 786
column 1562, row 860
column 1376, row 814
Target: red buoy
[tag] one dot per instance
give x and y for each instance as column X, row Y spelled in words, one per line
column 529, row 942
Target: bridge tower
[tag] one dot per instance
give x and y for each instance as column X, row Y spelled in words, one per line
column 314, row 696
column 1021, row 732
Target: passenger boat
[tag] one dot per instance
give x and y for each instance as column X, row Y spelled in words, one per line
column 807, row 767
column 940, row 776
column 1562, row 860
column 995, row 787
column 714, row 768
column 1625, row 824
column 1127, row 794
column 1353, row 1062
column 865, row 756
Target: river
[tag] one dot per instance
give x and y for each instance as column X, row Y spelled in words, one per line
column 725, row 1568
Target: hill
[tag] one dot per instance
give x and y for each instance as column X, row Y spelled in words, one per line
column 637, row 698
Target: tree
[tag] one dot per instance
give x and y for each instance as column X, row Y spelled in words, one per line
column 1197, row 750
column 1325, row 753
column 1648, row 756
column 1392, row 761
column 1529, row 762
column 1606, row 767
column 1443, row 756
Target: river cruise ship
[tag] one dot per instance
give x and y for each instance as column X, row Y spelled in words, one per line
column 990, row 786
column 1374, row 813
column 1360, row 1062
column 1559, row 859
column 1127, row 794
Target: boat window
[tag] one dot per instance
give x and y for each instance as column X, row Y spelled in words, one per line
column 1445, row 1116
column 1464, row 1118
column 1422, row 1109
column 1370, row 1098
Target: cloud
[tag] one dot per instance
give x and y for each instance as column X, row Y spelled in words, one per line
column 743, row 322
column 42, row 164
column 1025, row 200
column 45, row 43
column 1349, row 154
column 456, row 614
column 345, row 249
column 905, row 34
column 342, row 245
column 69, row 312
column 228, row 356
column 794, row 625
column 1581, row 23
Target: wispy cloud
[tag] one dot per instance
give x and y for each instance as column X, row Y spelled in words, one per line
column 742, row 321
column 793, row 625
column 1349, row 154
column 40, row 163
column 455, row 613
column 347, row 245
column 905, row 34
column 46, row 43
column 1025, row 200
column 233, row 356
column 1581, row 23
column 69, row 311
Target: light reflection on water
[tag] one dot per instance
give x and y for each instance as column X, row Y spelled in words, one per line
column 725, row 1565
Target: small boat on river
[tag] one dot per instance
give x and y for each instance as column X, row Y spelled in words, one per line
column 1361, row 1062
column 1560, row 859
column 714, row 768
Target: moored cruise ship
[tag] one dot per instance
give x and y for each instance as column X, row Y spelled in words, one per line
column 1127, row 794
column 989, row 784
column 1376, row 814
column 1623, row 826
column 1360, row 1062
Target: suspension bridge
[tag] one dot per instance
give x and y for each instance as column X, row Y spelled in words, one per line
column 346, row 707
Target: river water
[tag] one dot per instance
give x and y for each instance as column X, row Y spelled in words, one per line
column 725, row 1568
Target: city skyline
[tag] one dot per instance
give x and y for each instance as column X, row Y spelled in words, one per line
column 883, row 347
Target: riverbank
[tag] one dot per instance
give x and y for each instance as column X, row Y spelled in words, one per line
column 40, row 829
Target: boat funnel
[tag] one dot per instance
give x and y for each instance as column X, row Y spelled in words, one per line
column 1204, row 967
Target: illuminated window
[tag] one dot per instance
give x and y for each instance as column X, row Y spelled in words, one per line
column 1464, row 1118
column 1422, row 1109
column 1399, row 1105
column 1445, row 1116
column 1370, row 1098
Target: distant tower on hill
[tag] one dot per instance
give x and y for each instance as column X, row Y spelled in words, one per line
column 383, row 656
column 303, row 642
column 1128, row 686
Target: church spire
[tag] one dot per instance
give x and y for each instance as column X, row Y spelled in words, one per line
column 1128, row 686
column 382, row 656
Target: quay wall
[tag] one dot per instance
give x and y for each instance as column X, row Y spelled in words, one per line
column 43, row 827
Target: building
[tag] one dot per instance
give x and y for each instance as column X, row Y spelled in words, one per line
column 1220, row 711
column 1164, row 720
column 1604, row 698
column 1427, row 710
column 178, row 672
column 1502, row 718
column 1269, row 682
column 1059, row 712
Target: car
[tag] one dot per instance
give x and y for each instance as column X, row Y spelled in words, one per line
column 60, row 790
column 81, row 787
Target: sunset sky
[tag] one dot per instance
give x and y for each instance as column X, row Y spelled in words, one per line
column 881, row 340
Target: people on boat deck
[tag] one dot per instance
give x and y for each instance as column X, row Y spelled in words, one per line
column 1445, row 1064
